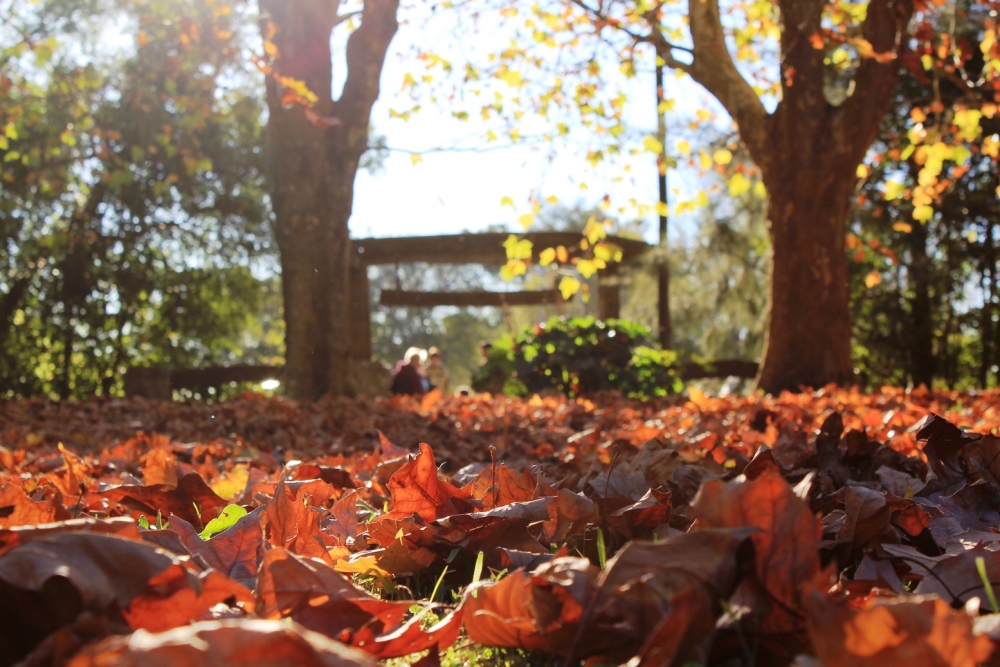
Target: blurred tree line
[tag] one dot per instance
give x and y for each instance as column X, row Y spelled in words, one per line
column 132, row 200
column 136, row 224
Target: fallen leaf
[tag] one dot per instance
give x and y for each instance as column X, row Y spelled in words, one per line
column 175, row 599
column 416, row 489
column 234, row 552
column 231, row 643
column 17, row 509
column 292, row 519
column 893, row 632
column 192, row 500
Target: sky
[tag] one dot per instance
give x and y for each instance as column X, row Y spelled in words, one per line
column 449, row 192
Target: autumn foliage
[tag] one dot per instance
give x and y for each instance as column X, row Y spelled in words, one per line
column 829, row 528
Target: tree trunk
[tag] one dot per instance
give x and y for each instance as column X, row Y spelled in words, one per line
column 809, row 337
column 922, row 337
column 988, row 272
column 808, row 151
column 314, row 155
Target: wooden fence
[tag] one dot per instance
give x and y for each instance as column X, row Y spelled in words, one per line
column 159, row 382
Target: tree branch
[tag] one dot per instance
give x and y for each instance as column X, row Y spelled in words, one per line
column 366, row 49
column 713, row 67
column 885, row 27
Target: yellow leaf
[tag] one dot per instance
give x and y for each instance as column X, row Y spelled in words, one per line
column 991, row 145
column 903, row 227
column 568, row 286
column 142, row 38
column 586, row 268
column 512, row 269
column 233, row 483
column 967, row 121
column 894, row 190
column 298, row 87
column 652, row 145
column 738, row 185
column 362, row 565
column 758, row 189
column 872, row 279
column 862, row 171
column 507, row 201
column 517, row 248
column 270, row 49
column 661, row 209
column 604, row 252
column 594, row 231
column 683, row 147
column 526, row 220
column 923, row 213
column 723, row 156
column 415, row 158
column 547, row 256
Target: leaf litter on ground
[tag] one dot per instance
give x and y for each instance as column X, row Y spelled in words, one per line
column 830, row 528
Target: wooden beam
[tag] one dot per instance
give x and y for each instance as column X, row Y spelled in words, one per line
column 486, row 248
column 467, row 299
column 721, row 368
column 216, row 376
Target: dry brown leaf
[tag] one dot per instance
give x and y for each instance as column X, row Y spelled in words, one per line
column 787, row 546
column 239, row 643
column 17, row 509
column 893, row 632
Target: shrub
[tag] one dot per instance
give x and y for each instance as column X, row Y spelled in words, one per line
column 580, row 356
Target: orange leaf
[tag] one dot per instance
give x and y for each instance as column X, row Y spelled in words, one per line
column 416, row 489
column 902, row 631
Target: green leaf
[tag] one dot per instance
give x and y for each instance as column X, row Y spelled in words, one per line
column 226, row 519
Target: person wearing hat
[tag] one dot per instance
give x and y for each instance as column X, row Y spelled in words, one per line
column 437, row 372
column 409, row 378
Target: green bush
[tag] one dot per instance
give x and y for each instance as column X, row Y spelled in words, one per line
column 580, row 356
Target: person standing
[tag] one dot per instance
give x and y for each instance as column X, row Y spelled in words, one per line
column 437, row 372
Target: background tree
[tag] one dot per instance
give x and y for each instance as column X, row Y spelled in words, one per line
column 315, row 145
column 925, row 231
column 770, row 66
column 131, row 200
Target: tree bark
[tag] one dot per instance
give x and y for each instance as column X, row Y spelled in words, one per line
column 809, row 337
column 314, row 158
column 808, row 151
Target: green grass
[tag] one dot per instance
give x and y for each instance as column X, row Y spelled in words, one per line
column 469, row 654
